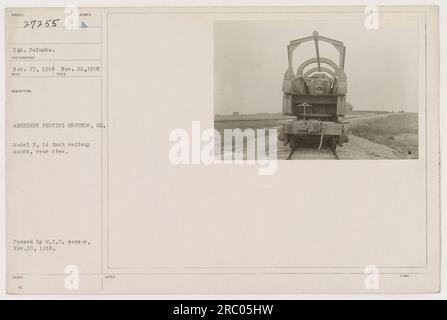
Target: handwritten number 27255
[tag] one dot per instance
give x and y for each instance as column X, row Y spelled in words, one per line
column 40, row 23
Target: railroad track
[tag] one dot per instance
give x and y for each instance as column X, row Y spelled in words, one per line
column 312, row 153
column 289, row 157
column 335, row 154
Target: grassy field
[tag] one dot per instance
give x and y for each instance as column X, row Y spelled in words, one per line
column 398, row 131
column 254, row 121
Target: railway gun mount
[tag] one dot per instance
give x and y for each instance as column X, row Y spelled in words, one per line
column 315, row 96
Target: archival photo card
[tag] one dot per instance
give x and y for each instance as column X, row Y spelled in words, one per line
column 148, row 150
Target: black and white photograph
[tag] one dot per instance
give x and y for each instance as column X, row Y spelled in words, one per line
column 332, row 88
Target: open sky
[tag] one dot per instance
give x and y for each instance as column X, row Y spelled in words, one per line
column 382, row 66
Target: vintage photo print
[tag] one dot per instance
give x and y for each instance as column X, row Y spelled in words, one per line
column 118, row 134
column 328, row 88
